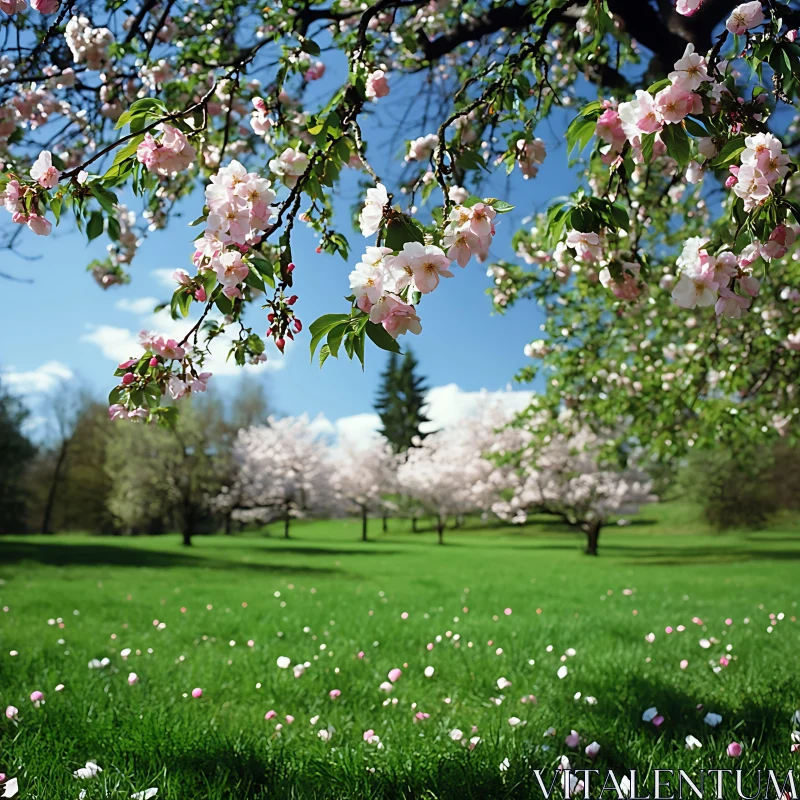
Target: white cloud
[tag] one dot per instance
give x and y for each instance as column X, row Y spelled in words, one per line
column 359, row 430
column 164, row 277
column 41, row 379
column 119, row 344
column 139, row 305
column 446, row 406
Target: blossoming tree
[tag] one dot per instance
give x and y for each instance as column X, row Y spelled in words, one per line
column 678, row 240
column 281, row 472
column 571, row 474
column 452, row 473
column 364, row 478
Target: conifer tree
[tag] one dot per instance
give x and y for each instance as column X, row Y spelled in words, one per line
column 401, row 402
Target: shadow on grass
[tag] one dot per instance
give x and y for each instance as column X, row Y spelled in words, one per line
column 760, row 720
column 56, row 554
column 312, row 550
column 672, row 556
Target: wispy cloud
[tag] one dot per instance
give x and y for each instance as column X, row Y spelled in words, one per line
column 446, row 406
column 42, row 379
column 118, row 343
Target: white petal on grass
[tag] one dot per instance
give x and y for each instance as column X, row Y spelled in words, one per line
column 89, row 771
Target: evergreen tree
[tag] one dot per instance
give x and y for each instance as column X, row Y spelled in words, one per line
column 15, row 453
column 400, row 402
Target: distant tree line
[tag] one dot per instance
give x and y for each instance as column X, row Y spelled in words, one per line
column 86, row 473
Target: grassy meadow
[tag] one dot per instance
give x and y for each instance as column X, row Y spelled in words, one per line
column 501, row 603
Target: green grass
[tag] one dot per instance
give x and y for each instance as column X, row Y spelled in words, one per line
column 349, row 596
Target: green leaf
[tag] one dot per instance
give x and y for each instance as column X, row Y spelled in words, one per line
column 320, row 327
column 379, row 336
column 694, row 128
column 311, row 47
column 95, row 225
column 500, row 206
column 677, row 144
column 400, row 230
column 253, row 280
column 732, row 149
column 55, row 207
column 470, row 159
column 335, row 336
column 106, row 199
column 620, row 216
column 358, row 346
column 648, row 142
column 324, row 352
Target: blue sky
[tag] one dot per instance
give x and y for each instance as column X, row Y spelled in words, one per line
column 64, row 325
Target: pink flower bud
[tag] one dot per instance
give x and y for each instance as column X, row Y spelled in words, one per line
column 734, row 750
column 290, row 267
column 197, row 693
column 200, row 294
column 153, row 362
column 128, row 378
column 394, row 674
column 280, row 343
column 334, row 693
column 298, row 326
column 292, row 300
column 271, row 714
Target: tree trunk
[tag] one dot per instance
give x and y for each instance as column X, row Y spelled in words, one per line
column 385, row 523
column 440, row 524
column 592, row 535
column 187, row 537
column 286, row 521
column 363, row 523
column 51, row 494
column 228, row 530
column 414, row 524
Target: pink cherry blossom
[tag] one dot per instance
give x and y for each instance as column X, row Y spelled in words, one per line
column 745, row 17
column 372, row 214
column 315, row 71
column 45, row 6
column 12, row 6
column 401, row 319
column 43, row 171
column 730, row 304
column 688, row 7
column 377, row 85
column 734, row 750
column 676, row 102
column 39, row 225
column 689, row 75
column 170, row 155
column 573, row 740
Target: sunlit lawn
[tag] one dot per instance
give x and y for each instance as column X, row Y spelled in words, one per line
column 324, row 597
